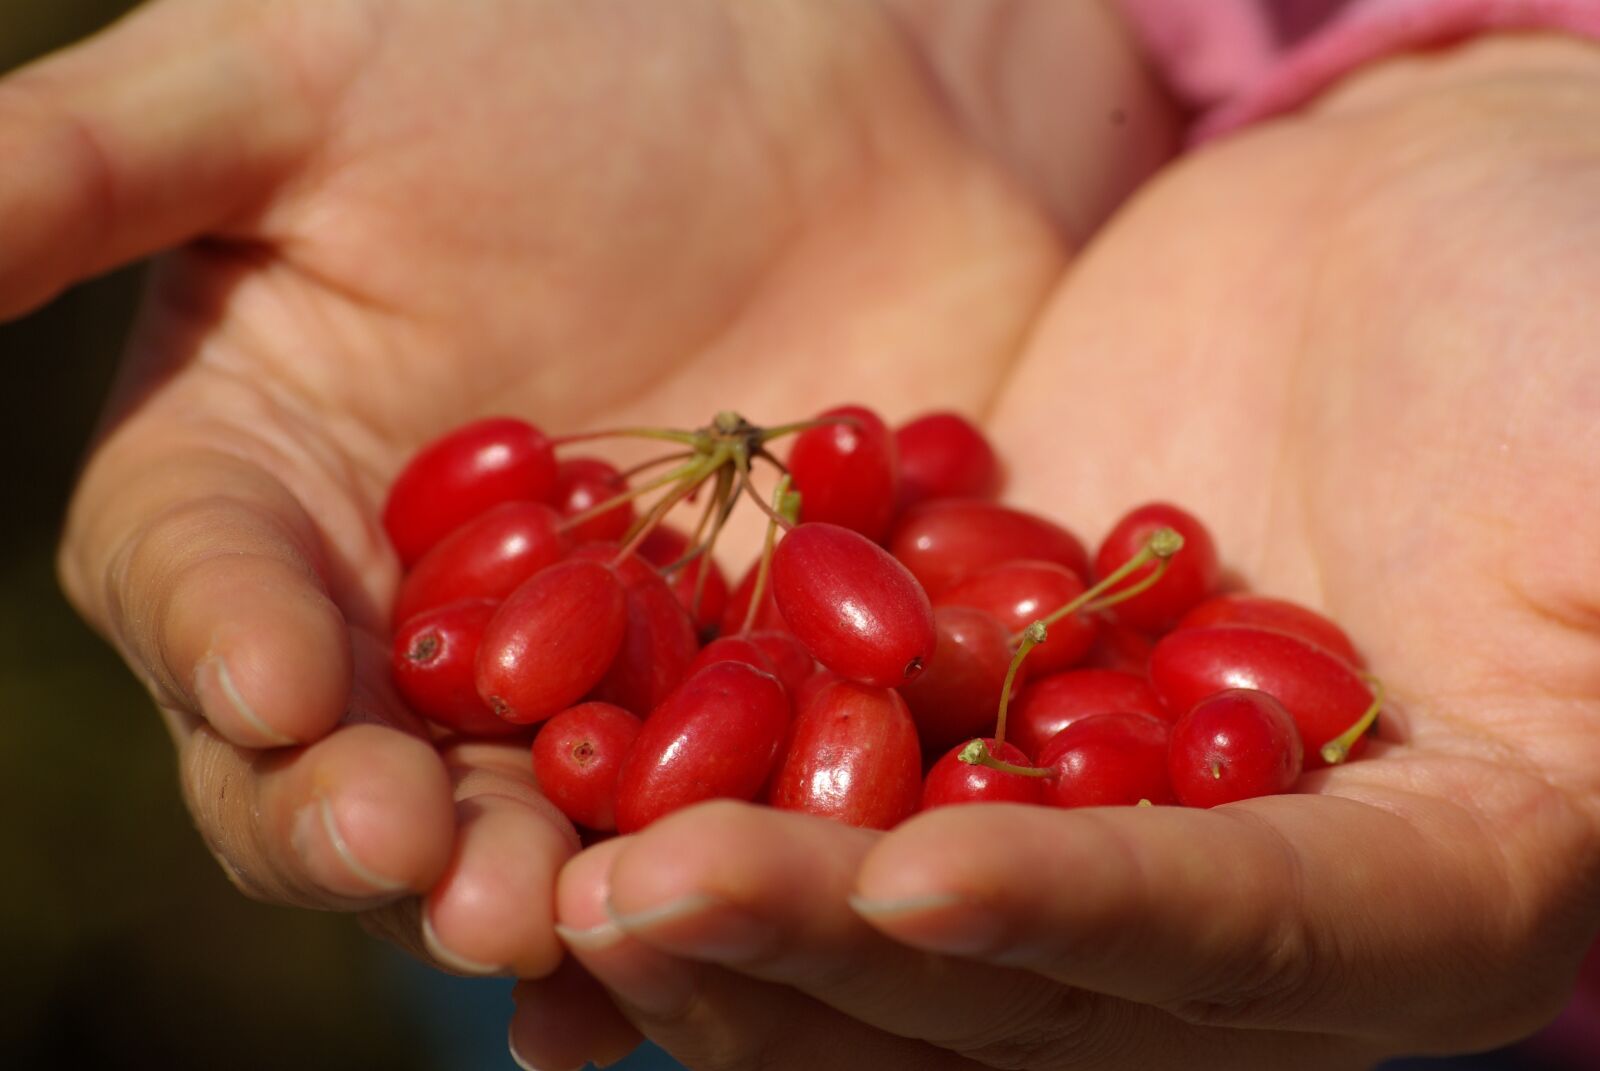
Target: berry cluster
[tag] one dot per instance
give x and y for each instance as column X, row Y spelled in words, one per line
column 904, row 641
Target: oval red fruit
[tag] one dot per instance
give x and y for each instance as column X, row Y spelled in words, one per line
column 953, row 781
column 1279, row 615
column 1191, row 574
column 551, row 640
column 486, row 558
column 583, row 483
column 1050, row 704
column 434, row 657
column 1323, row 694
column 458, row 476
column 857, row 610
column 577, row 757
column 845, row 472
column 944, row 541
column 1108, row 760
column 958, row 695
column 852, row 756
column 715, row 737
column 1235, row 745
column 1018, row 593
column 944, row 455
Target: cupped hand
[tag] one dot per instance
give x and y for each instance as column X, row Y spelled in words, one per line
column 1360, row 343
column 386, row 218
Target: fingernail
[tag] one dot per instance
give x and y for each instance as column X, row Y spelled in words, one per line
column 214, row 686
column 327, row 855
column 653, row 982
column 521, row 1060
column 705, row 927
column 453, row 960
column 940, row 922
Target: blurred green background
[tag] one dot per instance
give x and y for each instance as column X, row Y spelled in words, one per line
column 123, row 945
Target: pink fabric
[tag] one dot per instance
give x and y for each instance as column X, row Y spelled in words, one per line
column 1243, row 61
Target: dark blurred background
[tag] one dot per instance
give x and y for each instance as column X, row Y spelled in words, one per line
column 121, row 942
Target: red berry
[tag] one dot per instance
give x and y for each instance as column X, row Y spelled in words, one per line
column 790, row 658
column 434, row 655
column 486, row 558
column 820, row 678
column 658, row 642
column 577, row 757
column 715, row 737
column 1108, row 760
column 1279, row 615
column 733, row 649
column 665, row 546
column 857, row 610
column 460, row 475
column 953, row 781
column 1049, row 704
column 1119, row 647
column 947, row 540
column 852, row 756
column 551, row 640
column 1234, row 745
column 582, row 483
column 958, row 695
column 767, row 618
column 1191, row 574
column 1018, row 593
column 944, row 455
column 1321, row 691
column 845, row 472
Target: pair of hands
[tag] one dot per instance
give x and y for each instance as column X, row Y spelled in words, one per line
column 1359, row 343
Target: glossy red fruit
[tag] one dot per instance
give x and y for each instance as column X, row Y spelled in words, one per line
column 551, row 640
column 1235, row 745
column 658, row 642
column 845, row 472
column 577, row 757
column 666, row 546
column 944, row 455
column 768, row 618
column 733, row 649
column 1322, row 692
column 1119, row 647
column 851, row 755
column 1019, row 593
column 459, row 475
column 715, row 737
column 1279, row 615
column 486, row 558
column 1108, row 760
column 1050, row 704
column 820, row 678
column 790, row 659
column 858, row 611
column 433, row 658
column 958, row 695
column 1190, row 577
column 953, row 781
column 947, row 540
column 582, row 483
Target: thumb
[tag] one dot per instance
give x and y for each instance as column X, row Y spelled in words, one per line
column 175, row 122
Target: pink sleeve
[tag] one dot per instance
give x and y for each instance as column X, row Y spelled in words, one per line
column 1242, row 61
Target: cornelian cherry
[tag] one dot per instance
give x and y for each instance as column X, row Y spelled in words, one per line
column 958, row 694
column 715, row 737
column 845, row 471
column 947, row 540
column 857, row 610
column 459, row 475
column 1108, row 760
column 1278, row 615
column 944, row 455
column 706, row 600
column 434, row 656
column 1019, row 593
column 551, row 640
column 1048, row 705
column 577, row 757
column 952, row 781
column 1234, row 745
column 852, row 756
column 583, row 483
column 1190, row 576
column 486, row 558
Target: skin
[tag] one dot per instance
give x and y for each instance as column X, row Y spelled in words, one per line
column 1374, row 315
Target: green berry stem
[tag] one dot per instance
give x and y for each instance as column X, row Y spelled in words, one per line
column 1337, row 750
column 695, row 470
column 977, row 753
column 781, row 496
column 1032, row 636
column 1162, row 545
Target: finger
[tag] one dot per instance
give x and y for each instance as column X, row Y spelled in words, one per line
column 361, row 817
column 711, row 1018
column 493, row 912
column 566, row 1020
column 1305, row 912
column 169, row 124
column 767, row 894
column 207, row 575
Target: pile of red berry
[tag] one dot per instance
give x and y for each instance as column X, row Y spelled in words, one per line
column 904, row 641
